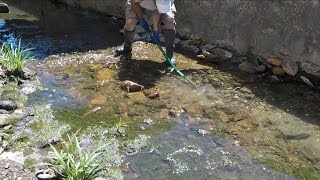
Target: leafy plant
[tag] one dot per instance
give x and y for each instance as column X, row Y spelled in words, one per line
column 121, row 124
column 73, row 164
column 13, row 59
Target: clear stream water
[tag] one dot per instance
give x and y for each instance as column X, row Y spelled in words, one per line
column 178, row 153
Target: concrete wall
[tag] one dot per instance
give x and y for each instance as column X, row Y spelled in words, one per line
column 269, row 27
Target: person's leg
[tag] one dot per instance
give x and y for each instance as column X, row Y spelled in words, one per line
column 169, row 31
column 129, row 31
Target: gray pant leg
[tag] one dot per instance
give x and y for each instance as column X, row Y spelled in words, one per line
column 169, row 37
column 128, row 39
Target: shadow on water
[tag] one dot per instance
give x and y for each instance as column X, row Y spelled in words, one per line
column 54, row 28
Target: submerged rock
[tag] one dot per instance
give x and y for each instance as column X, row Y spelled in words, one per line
column 203, row 132
column 278, row 71
column 8, row 105
column 148, row 121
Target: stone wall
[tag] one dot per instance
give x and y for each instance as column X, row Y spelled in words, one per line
column 288, row 29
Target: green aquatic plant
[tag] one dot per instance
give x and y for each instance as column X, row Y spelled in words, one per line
column 73, row 164
column 121, row 124
column 13, row 58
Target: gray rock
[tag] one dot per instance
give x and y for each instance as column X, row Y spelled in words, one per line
column 185, row 46
column 177, row 40
column 274, row 78
column 306, row 80
column 310, row 68
column 28, row 73
column 203, row 132
column 247, row 67
column 2, row 73
column 8, row 105
column 207, row 47
column 28, row 88
column 261, row 68
column 148, row 121
column 290, row 67
column 221, row 53
column 2, row 111
column 283, row 52
column 311, row 148
column 25, row 111
column 4, row 119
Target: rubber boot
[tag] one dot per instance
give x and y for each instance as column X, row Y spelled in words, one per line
column 169, row 37
column 126, row 48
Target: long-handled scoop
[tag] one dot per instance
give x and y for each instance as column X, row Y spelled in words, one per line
column 4, row 8
column 168, row 60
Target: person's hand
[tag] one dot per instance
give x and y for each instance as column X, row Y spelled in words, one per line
column 144, row 24
column 155, row 37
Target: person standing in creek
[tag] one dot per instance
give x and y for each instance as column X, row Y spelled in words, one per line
column 163, row 12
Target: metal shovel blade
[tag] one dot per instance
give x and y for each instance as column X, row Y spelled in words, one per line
column 4, row 8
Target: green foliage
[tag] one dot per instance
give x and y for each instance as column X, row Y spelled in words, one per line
column 73, row 164
column 13, row 59
column 121, row 124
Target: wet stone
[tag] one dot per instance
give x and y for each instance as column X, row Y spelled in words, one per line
column 8, row 105
column 290, row 67
column 221, row 53
column 148, row 121
column 261, row 68
column 247, row 67
column 203, row 132
column 277, row 71
column 2, row 111
column 274, row 61
column 185, row 46
column 274, row 79
column 4, row 120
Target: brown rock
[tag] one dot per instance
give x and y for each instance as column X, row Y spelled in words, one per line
column 278, row 71
column 221, row 116
column 239, row 116
column 137, row 97
column 274, row 61
column 193, row 109
column 219, row 104
column 234, row 130
column 153, row 95
column 290, row 67
column 164, row 114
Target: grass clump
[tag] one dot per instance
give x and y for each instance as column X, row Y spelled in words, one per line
column 73, row 164
column 13, row 58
